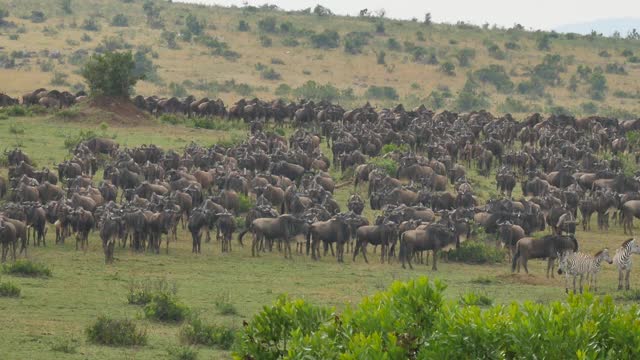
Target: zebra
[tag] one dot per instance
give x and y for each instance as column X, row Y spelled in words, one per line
column 575, row 264
column 622, row 259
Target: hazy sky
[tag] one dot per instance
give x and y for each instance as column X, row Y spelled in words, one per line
column 537, row 14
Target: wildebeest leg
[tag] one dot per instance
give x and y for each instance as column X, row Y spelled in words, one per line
column 435, row 260
column 355, row 251
column 364, row 252
column 331, row 247
column 382, row 252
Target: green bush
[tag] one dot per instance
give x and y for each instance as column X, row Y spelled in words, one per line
column 172, row 119
column 388, row 165
column 470, row 99
column 141, row 292
column 270, row 74
column 495, row 75
column 448, row 68
column 9, row 289
column 477, row 252
column 513, row 105
column 113, row 332
column 16, row 111
column 165, row 307
column 465, row 56
column 177, row 90
column 111, row 74
column 483, row 280
column 355, row 41
column 243, row 26
column 265, row 41
column 475, row 299
column 597, row 86
column 387, row 148
column 71, row 141
column 382, row 92
column 412, row 321
column 328, row 39
column 268, row 25
column 182, row 353
column 246, row 203
column 380, row 28
column 196, row 332
column 394, row 45
column 120, row 20
column 90, row 24
column 27, row 268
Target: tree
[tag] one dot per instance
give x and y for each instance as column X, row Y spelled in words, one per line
column 322, row 11
column 66, row 6
column 380, row 57
column 194, row 25
column 243, row 26
column 152, row 11
column 3, row 14
column 597, row 86
column 543, row 42
column 464, row 56
column 427, row 19
column 111, row 74
column 448, row 68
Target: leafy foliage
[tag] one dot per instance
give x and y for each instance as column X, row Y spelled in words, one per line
column 113, row 332
column 388, row 165
column 141, row 292
column 495, row 75
column 165, row 307
column 328, row 39
column 120, row 20
column 412, row 321
column 182, row 353
column 382, row 92
column 111, row 74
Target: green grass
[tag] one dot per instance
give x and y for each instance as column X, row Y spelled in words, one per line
column 9, row 289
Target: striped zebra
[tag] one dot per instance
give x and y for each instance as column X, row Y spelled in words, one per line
column 622, row 259
column 574, row 264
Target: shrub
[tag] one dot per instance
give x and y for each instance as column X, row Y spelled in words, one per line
column 483, row 280
column 382, row 92
column 16, row 111
column 141, row 292
column 68, row 114
column 120, row 20
column 380, row 57
column 268, row 25
column 475, row 299
column 182, row 353
column 266, row 41
column 511, row 45
column 113, row 332
column 355, row 41
column 245, row 203
column 318, row 92
column 276, row 61
column 243, row 26
column 85, row 37
column 66, row 6
column 495, row 75
column 328, row 39
column 604, row 54
column 388, row 165
column 531, row 87
column 27, row 268
column 448, row 68
column 283, row 90
column 37, row 16
column 469, row 99
column 165, row 307
column 224, row 306
column 465, row 56
column 9, row 289
column 290, row 42
column 380, row 27
column 615, row 68
column 194, row 26
column 543, row 42
column 90, row 24
column 196, row 332
column 495, row 52
column 16, row 129
column 388, row 148
column 393, row 44
column 14, row 37
column 597, row 86
column 111, row 74
column 477, row 252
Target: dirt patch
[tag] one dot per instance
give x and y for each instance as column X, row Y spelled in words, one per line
column 527, row 279
column 113, row 111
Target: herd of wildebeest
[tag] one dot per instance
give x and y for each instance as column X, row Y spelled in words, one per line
column 567, row 168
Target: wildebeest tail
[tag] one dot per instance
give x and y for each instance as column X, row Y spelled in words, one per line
column 241, row 235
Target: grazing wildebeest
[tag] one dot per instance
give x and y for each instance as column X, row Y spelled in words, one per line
column 434, row 238
column 548, row 246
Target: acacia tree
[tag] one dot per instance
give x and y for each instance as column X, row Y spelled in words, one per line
column 111, row 74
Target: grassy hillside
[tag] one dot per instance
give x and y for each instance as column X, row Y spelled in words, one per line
column 234, row 52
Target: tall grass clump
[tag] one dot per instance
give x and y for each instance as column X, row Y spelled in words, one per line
column 141, row 292
column 165, row 307
column 27, row 268
column 223, row 304
column 196, row 332
column 115, row 332
column 477, row 252
column 9, row 289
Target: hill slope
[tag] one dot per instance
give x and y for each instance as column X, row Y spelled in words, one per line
column 234, row 52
